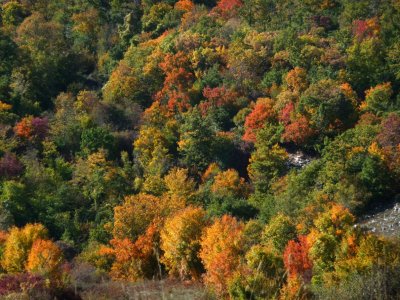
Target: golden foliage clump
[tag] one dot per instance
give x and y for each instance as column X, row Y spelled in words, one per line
column 230, row 183
column 134, row 260
column 45, row 258
column 132, row 218
column 19, row 244
column 179, row 184
column 180, row 241
column 221, row 252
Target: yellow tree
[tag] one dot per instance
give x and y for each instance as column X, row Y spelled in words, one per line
column 18, row 245
column 279, row 232
column 330, row 240
column 132, row 218
column 179, row 183
column 180, row 241
column 230, row 183
column 139, row 211
column 151, row 148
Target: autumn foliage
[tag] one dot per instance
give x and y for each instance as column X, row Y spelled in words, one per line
column 228, row 8
column 176, row 83
column 180, row 241
column 229, row 183
column 262, row 112
column 18, row 246
column 133, row 260
column 220, row 252
column 224, row 148
column 298, row 131
column 10, row 166
column 296, row 259
column 32, row 128
column 45, row 258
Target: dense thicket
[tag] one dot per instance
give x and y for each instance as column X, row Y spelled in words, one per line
column 155, row 139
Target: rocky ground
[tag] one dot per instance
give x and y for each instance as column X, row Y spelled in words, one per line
column 383, row 221
column 298, row 159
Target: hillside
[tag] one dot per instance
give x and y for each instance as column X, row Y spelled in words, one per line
column 199, row 149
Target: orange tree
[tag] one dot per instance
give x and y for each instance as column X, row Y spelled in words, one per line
column 221, row 252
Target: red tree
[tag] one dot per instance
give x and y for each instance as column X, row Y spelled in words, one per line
column 296, row 259
column 178, row 79
column 262, row 112
column 298, row 131
column 219, row 96
column 286, row 114
column 227, row 8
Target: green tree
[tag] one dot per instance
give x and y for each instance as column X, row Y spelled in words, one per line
column 197, row 142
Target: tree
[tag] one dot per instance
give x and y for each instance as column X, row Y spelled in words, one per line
column 228, row 8
column 229, row 183
column 197, row 141
column 334, row 228
column 96, row 138
column 366, row 57
column 260, row 277
column 19, row 244
column 135, row 215
column 15, row 201
column 44, row 74
column 45, row 258
column 221, row 250
column 219, row 97
column 365, row 29
column 184, row 5
column 134, row 260
column 296, row 81
column 296, row 259
column 99, row 181
column 8, row 55
column 31, row 128
column 66, row 130
column 179, row 184
column 132, row 218
column 378, row 99
column 389, row 139
column 180, row 241
column 262, row 113
column 13, row 13
column 137, row 77
column 328, row 107
column 121, row 84
column 249, row 57
column 389, row 136
column 159, row 18
column 177, row 82
column 266, row 164
column 152, row 149
column 278, row 232
column 298, row 131
column 86, row 27
column 10, row 166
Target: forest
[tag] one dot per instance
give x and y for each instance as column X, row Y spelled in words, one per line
column 198, row 149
